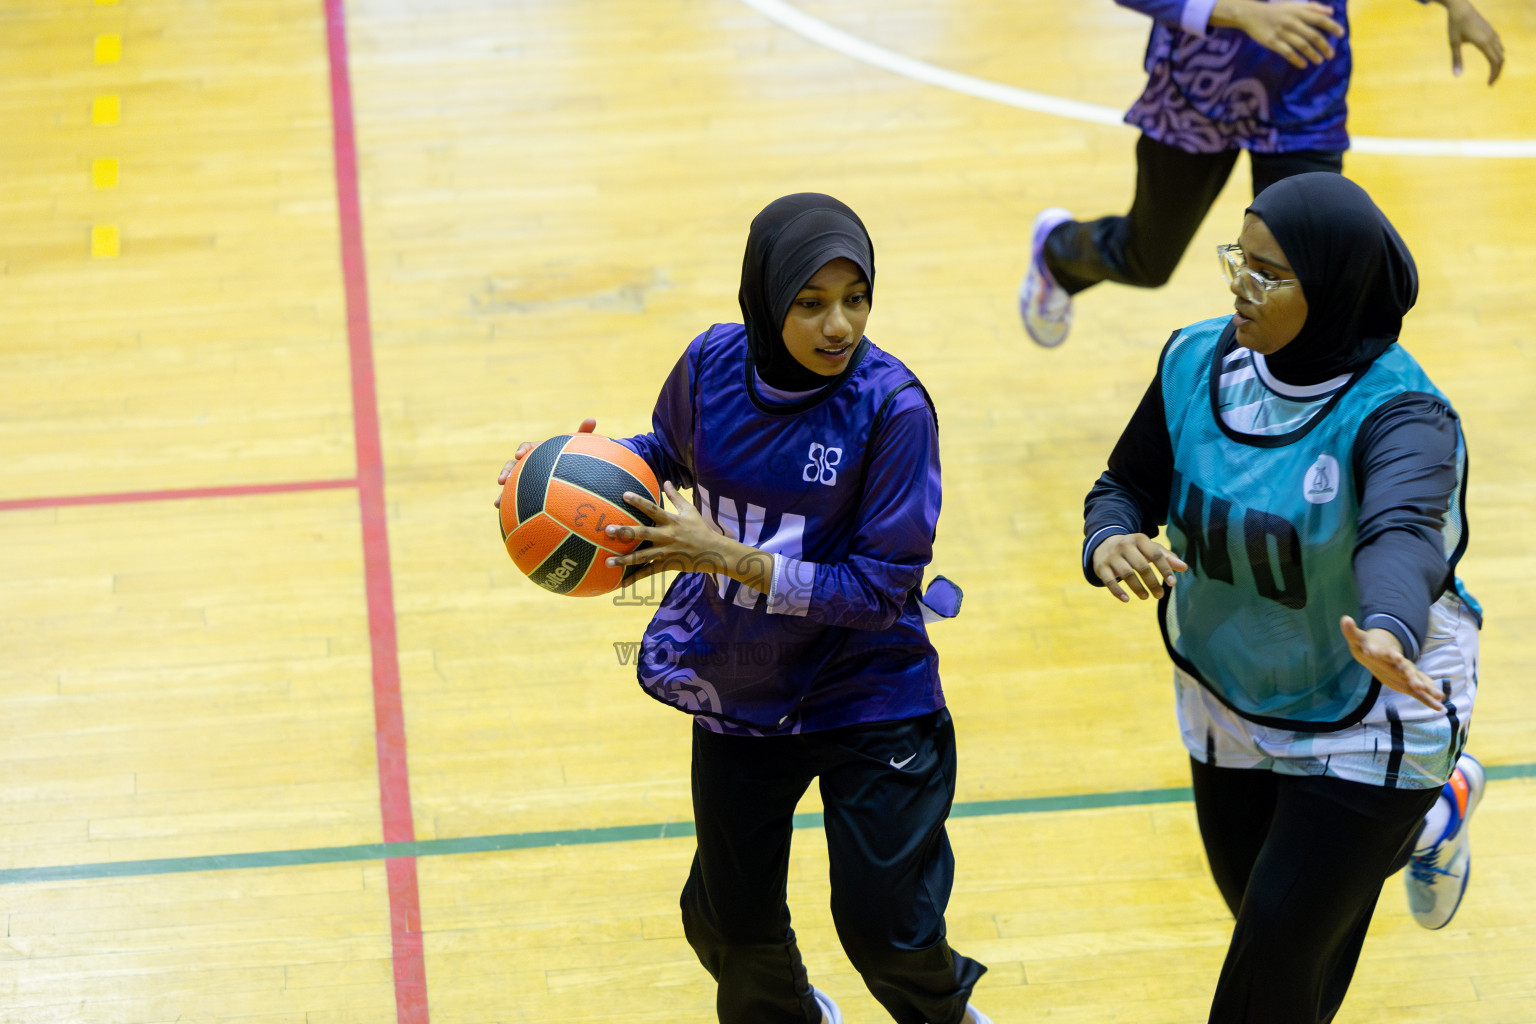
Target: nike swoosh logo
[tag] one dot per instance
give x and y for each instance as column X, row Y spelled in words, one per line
column 899, row 765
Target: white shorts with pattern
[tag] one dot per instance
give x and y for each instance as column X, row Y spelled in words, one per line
column 1399, row 743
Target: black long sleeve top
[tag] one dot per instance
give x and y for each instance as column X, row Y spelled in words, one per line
column 1405, row 461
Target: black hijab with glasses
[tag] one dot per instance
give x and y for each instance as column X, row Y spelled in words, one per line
column 1355, row 271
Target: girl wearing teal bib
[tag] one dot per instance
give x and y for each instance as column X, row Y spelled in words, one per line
column 1311, row 479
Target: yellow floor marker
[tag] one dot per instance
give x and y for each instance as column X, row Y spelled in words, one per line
column 104, row 173
column 106, row 109
column 109, row 48
column 104, row 241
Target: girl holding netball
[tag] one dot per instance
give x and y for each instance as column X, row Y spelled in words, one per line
column 794, row 632
column 1311, row 477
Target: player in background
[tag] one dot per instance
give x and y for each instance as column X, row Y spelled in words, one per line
column 794, row 632
column 1312, row 478
column 1223, row 75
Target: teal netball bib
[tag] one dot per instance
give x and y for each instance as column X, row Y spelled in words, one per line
column 1264, row 507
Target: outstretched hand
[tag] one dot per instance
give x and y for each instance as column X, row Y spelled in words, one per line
column 1464, row 24
column 1137, row 560
column 587, row 426
column 1382, row 653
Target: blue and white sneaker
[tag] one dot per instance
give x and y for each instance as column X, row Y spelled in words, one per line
column 974, row 1016
column 830, row 1014
column 1045, row 305
column 1442, row 858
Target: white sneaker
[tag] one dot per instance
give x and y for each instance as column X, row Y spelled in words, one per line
column 1045, row 305
column 974, row 1016
column 1442, row 859
column 830, row 1014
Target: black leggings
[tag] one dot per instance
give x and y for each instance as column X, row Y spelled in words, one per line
column 1300, row 861
column 886, row 789
column 1174, row 191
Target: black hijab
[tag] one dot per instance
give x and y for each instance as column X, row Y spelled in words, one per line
column 1356, row 273
column 789, row 241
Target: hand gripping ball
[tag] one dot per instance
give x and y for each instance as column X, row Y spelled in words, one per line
column 557, row 503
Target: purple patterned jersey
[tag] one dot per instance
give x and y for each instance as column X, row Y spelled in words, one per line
column 1214, row 89
column 841, row 491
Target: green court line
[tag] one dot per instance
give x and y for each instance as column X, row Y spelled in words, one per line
column 580, row 836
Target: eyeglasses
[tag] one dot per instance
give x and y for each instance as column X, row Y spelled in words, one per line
column 1251, row 284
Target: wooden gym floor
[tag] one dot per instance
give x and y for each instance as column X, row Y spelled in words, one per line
column 286, row 737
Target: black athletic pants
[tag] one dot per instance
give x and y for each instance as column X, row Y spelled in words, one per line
column 887, row 789
column 1174, row 190
column 1300, row 861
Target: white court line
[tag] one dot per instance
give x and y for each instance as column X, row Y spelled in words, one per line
column 819, row 32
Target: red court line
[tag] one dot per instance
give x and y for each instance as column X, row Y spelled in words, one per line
column 124, row 497
column 388, row 713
